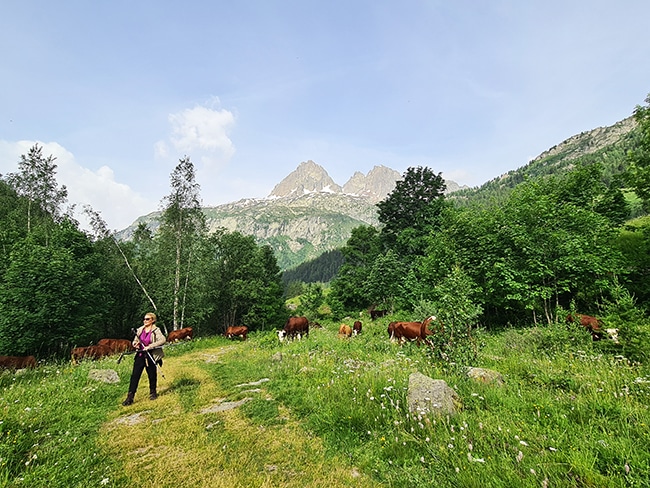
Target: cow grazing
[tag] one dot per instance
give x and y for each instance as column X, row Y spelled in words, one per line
column 375, row 314
column 592, row 324
column 412, row 331
column 295, row 327
column 180, row 334
column 90, row 352
column 17, row 362
column 356, row 327
column 237, row 331
column 117, row 345
column 345, row 330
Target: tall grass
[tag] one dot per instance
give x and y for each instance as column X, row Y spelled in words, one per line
column 327, row 411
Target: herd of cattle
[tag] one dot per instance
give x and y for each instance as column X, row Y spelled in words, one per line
column 294, row 329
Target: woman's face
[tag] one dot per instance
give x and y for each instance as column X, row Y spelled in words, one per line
column 148, row 321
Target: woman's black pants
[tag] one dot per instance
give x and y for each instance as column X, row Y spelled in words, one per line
column 143, row 361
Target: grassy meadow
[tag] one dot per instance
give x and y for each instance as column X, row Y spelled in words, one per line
column 331, row 412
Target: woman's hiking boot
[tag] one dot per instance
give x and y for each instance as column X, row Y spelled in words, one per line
column 129, row 399
column 153, row 395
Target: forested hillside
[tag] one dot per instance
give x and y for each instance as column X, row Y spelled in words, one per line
column 606, row 146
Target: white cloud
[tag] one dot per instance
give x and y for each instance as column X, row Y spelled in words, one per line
column 118, row 204
column 204, row 131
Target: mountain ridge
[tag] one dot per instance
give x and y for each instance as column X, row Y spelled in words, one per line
column 307, row 213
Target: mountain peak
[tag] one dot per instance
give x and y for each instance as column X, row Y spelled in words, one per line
column 375, row 186
column 308, row 177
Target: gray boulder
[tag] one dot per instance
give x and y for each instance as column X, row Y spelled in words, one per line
column 105, row 375
column 427, row 396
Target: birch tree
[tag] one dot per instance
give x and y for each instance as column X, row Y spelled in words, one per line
column 36, row 180
column 182, row 223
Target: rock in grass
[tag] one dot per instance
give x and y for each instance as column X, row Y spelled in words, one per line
column 429, row 397
column 105, row 375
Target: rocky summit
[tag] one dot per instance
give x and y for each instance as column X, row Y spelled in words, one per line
column 307, row 213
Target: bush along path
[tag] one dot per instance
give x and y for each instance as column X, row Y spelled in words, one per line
column 211, row 426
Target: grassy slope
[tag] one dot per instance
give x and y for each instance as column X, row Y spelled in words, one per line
column 332, row 413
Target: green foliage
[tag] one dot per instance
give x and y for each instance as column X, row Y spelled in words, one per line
column 415, row 203
column 51, row 298
column 639, row 157
column 348, row 290
column 633, row 327
column 310, row 301
column 634, row 244
column 453, row 303
column 242, row 283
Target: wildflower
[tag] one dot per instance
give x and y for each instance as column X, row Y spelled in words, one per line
column 470, row 446
column 532, row 471
column 457, row 470
column 104, row 481
column 523, row 443
column 520, row 456
column 422, row 459
column 427, row 439
column 627, row 468
column 472, row 459
column 552, row 449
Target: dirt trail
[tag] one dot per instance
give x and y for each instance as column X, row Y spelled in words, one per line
column 192, row 437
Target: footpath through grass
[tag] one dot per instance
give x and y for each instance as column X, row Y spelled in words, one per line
column 194, row 434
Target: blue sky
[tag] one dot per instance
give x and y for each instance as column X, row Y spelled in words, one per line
column 120, row 90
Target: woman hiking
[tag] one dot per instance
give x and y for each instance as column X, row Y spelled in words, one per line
column 148, row 342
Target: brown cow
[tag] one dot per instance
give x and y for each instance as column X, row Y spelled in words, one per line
column 117, row 345
column 237, row 331
column 180, row 334
column 295, row 327
column 90, row 352
column 412, row 331
column 375, row 314
column 17, row 362
column 592, row 324
column 356, row 327
column 345, row 330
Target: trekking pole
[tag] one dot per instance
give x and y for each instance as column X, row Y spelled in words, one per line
column 119, row 360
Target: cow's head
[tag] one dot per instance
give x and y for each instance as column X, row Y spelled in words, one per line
column 282, row 334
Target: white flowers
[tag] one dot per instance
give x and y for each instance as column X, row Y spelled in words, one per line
column 472, row 459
